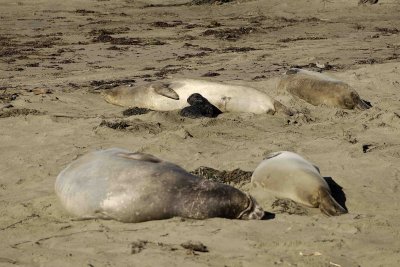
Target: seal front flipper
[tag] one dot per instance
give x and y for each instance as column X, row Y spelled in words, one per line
column 164, row 89
column 139, row 156
column 279, row 107
column 328, row 205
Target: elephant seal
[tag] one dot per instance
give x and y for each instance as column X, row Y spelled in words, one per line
column 136, row 187
column 172, row 95
column 288, row 175
column 199, row 107
column 317, row 89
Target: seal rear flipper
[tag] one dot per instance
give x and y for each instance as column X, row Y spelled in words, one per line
column 328, row 205
column 164, row 90
column 279, row 107
column 363, row 105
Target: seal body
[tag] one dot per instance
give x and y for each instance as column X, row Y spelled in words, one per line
column 172, row 95
column 319, row 89
column 288, row 175
column 136, row 187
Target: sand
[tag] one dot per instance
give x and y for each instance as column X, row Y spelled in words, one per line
column 56, row 57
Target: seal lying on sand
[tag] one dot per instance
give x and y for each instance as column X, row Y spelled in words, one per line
column 288, row 175
column 172, row 95
column 318, row 89
column 199, row 107
column 136, row 187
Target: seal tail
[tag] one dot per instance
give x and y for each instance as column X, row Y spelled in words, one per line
column 279, row 107
column 328, row 205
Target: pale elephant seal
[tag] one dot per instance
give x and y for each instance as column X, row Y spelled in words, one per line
column 172, row 95
column 288, row 175
column 136, row 187
column 318, row 89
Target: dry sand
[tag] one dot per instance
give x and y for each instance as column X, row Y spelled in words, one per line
column 77, row 48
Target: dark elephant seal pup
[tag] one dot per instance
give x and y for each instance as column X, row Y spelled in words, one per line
column 288, row 175
column 319, row 89
column 199, row 107
column 136, row 187
column 172, row 95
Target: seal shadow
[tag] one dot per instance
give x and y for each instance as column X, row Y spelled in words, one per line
column 268, row 216
column 337, row 192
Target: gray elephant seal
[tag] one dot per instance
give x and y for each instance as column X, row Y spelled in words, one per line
column 318, row 89
column 172, row 95
column 136, row 187
column 288, row 175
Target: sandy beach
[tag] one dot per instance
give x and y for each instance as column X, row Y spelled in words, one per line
column 56, row 57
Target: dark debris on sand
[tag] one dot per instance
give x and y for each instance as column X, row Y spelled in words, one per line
column 138, row 246
column 195, row 246
column 8, row 97
column 108, row 84
column 106, row 38
column 229, row 34
column 209, row 2
column 116, row 125
column 236, row 177
column 19, row 112
column 135, row 111
column 133, row 126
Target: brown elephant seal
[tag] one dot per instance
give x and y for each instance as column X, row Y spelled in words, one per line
column 173, row 95
column 136, row 187
column 288, row 175
column 319, row 89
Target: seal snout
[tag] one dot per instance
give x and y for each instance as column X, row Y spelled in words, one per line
column 253, row 210
column 257, row 214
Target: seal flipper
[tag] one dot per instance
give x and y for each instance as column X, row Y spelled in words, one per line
column 272, row 155
column 139, row 156
column 328, row 205
column 278, row 106
column 363, row 105
column 164, row 90
column 317, row 168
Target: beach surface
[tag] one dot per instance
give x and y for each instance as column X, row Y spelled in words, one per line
column 56, row 57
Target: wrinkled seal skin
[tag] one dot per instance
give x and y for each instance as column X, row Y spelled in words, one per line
column 172, row 95
column 288, row 175
column 319, row 89
column 136, row 187
column 199, row 107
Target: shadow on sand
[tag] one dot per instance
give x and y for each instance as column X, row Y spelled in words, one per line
column 337, row 192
